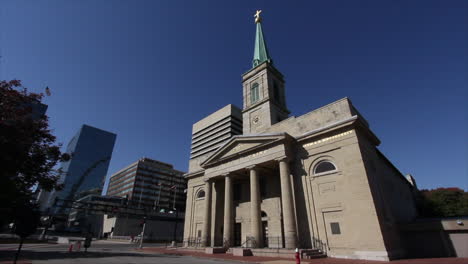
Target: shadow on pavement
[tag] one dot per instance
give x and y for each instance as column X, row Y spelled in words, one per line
column 44, row 255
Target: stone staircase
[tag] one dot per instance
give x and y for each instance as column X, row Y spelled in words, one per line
column 312, row 254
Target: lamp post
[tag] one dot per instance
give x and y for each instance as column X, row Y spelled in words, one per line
column 175, row 195
column 143, row 232
column 174, row 236
column 159, row 197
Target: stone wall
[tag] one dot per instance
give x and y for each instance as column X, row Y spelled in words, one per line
column 392, row 193
column 324, row 116
column 194, row 210
column 342, row 196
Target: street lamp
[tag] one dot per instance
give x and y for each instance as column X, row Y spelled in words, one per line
column 175, row 226
column 143, row 232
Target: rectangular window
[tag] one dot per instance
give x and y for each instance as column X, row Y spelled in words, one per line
column 335, row 228
column 254, row 93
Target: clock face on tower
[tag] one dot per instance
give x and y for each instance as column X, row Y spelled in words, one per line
column 255, row 120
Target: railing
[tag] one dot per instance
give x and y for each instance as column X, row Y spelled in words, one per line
column 250, row 242
column 193, row 242
column 319, row 244
column 273, row 242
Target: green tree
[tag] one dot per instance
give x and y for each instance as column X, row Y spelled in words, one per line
column 443, row 202
column 28, row 152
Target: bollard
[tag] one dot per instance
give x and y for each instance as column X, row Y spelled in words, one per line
column 298, row 259
column 70, row 248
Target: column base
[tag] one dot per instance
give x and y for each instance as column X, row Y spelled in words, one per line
column 241, row 252
column 215, row 250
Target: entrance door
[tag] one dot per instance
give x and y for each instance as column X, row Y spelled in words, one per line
column 265, row 233
column 237, row 234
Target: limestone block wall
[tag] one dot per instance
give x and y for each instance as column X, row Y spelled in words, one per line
column 319, row 118
column 194, row 164
column 342, row 197
column 195, row 208
column 393, row 196
column 257, row 119
column 261, row 78
column 398, row 190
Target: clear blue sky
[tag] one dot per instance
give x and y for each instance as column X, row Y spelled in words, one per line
column 147, row 70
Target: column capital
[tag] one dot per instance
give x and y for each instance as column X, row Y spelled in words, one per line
column 251, row 167
column 207, row 180
column 225, row 175
column 284, row 158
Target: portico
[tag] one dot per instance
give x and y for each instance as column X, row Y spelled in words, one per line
column 243, row 160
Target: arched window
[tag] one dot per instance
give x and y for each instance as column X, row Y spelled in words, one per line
column 201, row 194
column 263, row 214
column 254, row 93
column 324, row 166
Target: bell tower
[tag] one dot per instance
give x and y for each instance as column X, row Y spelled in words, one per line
column 263, row 89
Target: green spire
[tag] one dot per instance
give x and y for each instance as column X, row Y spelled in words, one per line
column 260, row 52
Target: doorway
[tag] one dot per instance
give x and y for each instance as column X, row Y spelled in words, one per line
column 237, row 234
column 265, row 233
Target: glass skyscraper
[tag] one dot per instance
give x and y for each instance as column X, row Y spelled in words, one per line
column 91, row 152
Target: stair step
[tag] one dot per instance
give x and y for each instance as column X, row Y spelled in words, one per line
column 316, row 256
column 312, row 251
column 313, row 254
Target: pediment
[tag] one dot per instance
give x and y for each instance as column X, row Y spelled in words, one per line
column 239, row 145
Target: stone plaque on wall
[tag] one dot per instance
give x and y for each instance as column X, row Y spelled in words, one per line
column 327, row 187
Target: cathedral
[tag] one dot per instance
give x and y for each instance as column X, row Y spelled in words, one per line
column 264, row 180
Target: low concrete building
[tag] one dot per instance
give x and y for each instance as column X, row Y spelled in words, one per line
column 86, row 213
column 161, row 227
column 317, row 181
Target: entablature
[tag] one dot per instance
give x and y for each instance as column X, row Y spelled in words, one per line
column 247, row 150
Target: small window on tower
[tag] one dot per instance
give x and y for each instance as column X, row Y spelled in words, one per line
column 254, row 93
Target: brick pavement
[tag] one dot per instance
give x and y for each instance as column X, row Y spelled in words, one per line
column 274, row 260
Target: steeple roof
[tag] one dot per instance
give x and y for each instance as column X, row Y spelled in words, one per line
column 260, row 51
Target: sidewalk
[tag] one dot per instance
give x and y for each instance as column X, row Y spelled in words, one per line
column 272, row 260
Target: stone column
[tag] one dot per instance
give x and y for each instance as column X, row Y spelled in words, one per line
column 228, row 223
column 207, row 215
column 289, row 218
column 255, row 213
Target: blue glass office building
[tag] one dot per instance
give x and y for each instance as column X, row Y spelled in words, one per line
column 91, row 152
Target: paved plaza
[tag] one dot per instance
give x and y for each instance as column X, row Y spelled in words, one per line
column 100, row 252
column 121, row 252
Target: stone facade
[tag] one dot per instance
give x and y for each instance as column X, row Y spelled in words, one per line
column 316, row 181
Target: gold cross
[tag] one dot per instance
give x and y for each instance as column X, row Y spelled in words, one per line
column 258, row 19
